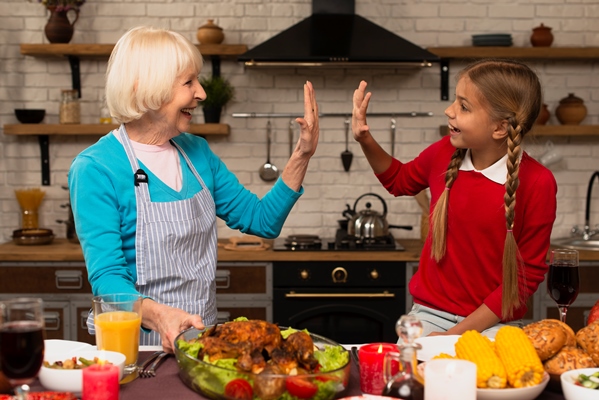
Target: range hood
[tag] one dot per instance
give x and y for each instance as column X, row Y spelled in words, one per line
column 334, row 36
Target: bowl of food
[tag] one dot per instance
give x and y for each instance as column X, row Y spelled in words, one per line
column 62, row 372
column 581, row 384
column 30, row 116
column 256, row 359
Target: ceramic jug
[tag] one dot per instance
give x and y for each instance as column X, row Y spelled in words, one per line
column 210, row 33
column 541, row 36
column 59, row 29
column 571, row 110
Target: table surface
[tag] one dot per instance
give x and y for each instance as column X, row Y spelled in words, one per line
column 168, row 385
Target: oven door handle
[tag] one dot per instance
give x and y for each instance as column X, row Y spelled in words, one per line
column 345, row 295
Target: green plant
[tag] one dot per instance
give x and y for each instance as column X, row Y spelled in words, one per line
column 218, row 91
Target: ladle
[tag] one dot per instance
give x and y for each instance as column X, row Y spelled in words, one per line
column 268, row 172
column 346, row 156
column 393, row 129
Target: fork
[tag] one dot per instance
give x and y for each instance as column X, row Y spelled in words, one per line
column 150, row 372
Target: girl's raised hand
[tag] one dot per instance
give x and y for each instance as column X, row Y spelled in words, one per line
column 358, row 120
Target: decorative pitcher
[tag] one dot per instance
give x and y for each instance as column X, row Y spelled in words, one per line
column 59, row 29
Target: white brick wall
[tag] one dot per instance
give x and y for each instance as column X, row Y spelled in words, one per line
column 36, row 83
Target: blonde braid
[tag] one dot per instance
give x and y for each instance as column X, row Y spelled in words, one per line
column 439, row 231
column 511, row 258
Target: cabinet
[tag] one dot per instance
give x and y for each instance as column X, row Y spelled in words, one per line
column 244, row 289
column 64, row 288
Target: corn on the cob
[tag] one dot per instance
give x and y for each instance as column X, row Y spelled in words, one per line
column 490, row 372
column 519, row 357
column 443, row 355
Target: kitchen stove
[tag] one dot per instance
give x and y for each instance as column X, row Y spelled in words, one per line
column 341, row 242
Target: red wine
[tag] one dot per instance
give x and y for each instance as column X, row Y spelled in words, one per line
column 21, row 349
column 562, row 284
column 408, row 389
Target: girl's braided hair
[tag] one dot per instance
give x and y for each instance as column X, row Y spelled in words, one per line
column 511, row 92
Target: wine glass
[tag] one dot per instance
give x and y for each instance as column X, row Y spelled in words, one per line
column 21, row 342
column 563, row 279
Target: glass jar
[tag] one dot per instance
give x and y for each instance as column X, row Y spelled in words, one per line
column 70, row 110
column 105, row 117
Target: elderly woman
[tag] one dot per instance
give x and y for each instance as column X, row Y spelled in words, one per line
column 145, row 197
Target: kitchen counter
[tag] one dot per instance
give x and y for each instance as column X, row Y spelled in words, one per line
column 63, row 250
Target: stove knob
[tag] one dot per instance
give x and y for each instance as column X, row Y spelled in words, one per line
column 304, row 274
column 339, row 275
column 374, row 274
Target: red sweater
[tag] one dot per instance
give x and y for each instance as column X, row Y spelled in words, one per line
column 470, row 273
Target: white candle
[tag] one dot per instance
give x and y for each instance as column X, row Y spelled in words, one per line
column 448, row 379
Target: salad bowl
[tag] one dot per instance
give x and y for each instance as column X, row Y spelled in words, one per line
column 228, row 383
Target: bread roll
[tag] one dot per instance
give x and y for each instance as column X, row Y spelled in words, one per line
column 547, row 337
column 567, row 359
column 570, row 335
column 588, row 339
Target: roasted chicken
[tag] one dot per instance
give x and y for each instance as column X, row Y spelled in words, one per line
column 257, row 344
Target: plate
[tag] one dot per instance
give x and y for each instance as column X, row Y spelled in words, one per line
column 527, row 393
column 433, row 345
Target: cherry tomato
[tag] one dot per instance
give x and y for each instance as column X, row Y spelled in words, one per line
column 594, row 314
column 239, row 389
column 300, row 387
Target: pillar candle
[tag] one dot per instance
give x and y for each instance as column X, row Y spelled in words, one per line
column 100, row 382
column 372, row 380
column 448, row 379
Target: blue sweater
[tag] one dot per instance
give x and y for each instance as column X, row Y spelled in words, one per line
column 104, row 206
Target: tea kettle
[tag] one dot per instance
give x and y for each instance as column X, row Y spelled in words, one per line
column 369, row 223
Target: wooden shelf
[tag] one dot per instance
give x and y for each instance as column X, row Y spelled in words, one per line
column 552, row 130
column 100, row 129
column 530, row 53
column 104, row 50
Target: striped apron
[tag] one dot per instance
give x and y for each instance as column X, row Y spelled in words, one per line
column 175, row 248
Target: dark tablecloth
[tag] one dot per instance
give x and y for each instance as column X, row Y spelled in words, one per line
column 167, row 385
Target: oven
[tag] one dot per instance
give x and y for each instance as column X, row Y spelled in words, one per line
column 347, row 301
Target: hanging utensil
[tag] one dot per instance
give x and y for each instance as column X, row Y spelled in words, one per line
column 268, row 172
column 346, row 156
column 393, row 130
column 291, row 137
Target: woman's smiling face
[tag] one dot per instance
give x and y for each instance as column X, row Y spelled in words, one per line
column 187, row 92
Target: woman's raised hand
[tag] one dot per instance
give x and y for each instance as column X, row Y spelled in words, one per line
column 309, row 127
column 358, row 120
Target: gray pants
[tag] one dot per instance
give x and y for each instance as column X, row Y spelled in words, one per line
column 441, row 321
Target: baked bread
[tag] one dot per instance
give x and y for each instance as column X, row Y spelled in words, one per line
column 570, row 335
column 567, row 359
column 547, row 337
column 588, row 339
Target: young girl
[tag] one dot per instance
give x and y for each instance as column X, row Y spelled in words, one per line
column 493, row 206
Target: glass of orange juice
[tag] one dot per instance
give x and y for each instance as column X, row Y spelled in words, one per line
column 117, row 318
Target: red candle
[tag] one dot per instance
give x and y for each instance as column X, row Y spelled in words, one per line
column 100, row 382
column 372, row 380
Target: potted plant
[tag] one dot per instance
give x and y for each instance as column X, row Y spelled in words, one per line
column 218, row 93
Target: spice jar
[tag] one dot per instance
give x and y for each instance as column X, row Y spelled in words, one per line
column 70, row 111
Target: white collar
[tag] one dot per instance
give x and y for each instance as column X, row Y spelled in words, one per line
column 496, row 172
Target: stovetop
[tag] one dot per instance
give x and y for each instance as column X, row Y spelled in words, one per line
column 342, row 242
